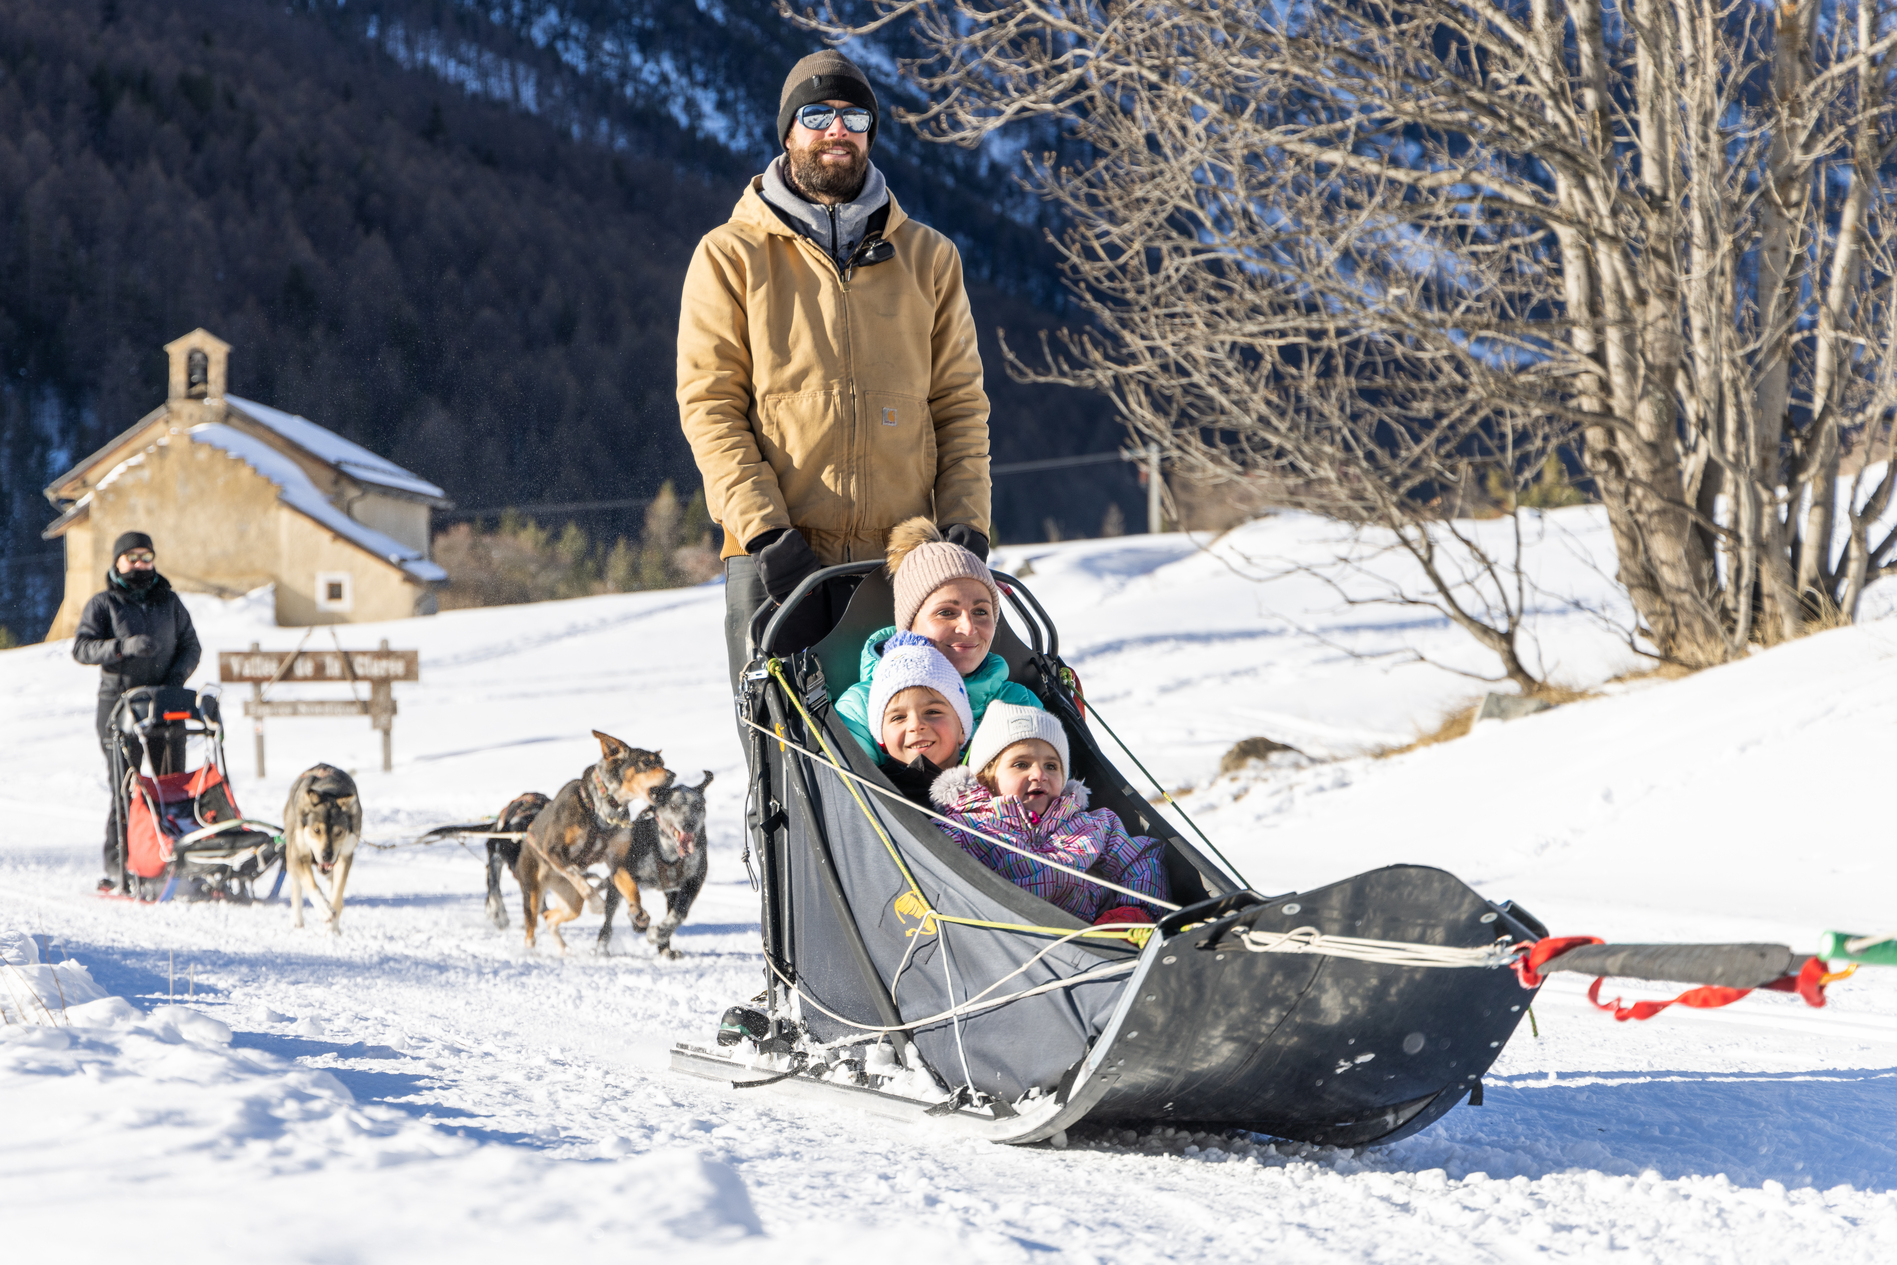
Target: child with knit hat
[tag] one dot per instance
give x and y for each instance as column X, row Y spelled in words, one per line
column 947, row 595
column 921, row 706
column 1015, row 787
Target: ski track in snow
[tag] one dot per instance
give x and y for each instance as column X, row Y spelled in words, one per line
column 422, row 1088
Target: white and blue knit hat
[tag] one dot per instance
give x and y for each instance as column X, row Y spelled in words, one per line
column 910, row 659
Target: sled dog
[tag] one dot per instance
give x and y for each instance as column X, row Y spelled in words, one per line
column 664, row 848
column 322, row 823
column 504, row 854
column 572, row 831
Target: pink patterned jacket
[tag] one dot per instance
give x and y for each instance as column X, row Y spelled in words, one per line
column 1095, row 842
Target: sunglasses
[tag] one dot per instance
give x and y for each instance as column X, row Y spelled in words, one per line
column 819, row 117
column 139, row 555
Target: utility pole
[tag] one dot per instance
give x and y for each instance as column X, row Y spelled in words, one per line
column 1155, row 513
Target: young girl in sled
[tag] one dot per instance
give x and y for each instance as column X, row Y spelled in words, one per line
column 1015, row 788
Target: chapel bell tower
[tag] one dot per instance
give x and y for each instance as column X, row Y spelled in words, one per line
column 199, row 362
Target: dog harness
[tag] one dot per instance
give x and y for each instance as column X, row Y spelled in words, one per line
column 601, row 801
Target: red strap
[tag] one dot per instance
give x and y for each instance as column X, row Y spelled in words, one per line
column 1542, row 950
column 1809, row 983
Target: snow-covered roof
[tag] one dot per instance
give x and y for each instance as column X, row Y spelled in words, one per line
column 295, row 490
column 79, row 507
column 326, row 445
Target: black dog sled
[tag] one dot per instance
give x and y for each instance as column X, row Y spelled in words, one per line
column 1353, row 1014
column 182, row 831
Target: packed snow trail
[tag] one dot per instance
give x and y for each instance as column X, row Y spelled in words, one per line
column 421, row 1088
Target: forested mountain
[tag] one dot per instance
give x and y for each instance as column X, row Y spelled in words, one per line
column 454, row 234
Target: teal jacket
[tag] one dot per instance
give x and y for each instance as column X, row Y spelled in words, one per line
column 989, row 683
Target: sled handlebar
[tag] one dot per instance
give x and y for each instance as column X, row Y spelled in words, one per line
column 771, row 615
column 1043, row 637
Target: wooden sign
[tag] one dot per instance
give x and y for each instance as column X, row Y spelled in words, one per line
column 310, row 707
column 266, row 667
column 378, row 669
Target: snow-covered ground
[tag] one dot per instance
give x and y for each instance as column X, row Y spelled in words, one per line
column 213, row 1086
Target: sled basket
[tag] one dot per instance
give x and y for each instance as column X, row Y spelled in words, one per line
column 183, row 825
column 879, row 929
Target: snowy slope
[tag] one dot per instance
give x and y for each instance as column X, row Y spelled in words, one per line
column 422, row 1088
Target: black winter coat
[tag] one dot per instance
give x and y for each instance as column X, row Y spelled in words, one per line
column 913, row 779
column 119, row 613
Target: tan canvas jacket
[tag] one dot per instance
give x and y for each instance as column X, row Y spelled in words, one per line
column 836, row 407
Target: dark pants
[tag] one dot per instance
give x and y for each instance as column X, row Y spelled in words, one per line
column 168, row 756
column 744, row 593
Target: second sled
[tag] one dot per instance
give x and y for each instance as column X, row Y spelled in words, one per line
column 181, row 832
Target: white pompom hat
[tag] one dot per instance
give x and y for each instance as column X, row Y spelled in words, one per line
column 1005, row 724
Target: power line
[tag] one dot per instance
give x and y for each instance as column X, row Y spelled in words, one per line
column 547, row 507
column 1056, row 463
column 574, row 507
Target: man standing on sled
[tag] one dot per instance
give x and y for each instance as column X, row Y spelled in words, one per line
column 828, row 378
column 138, row 633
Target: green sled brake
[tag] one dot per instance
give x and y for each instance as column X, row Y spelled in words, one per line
column 880, row 932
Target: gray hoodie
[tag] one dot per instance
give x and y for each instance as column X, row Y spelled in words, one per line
column 837, row 229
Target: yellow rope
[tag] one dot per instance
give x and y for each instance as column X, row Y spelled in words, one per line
column 777, row 670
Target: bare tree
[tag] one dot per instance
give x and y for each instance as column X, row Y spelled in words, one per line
column 1373, row 249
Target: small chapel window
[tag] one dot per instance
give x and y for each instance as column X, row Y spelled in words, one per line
column 335, row 591
column 197, row 375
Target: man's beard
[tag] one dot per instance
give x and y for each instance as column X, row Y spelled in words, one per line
column 812, row 177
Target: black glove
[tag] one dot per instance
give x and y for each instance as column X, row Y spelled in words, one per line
column 968, row 538
column 138, row 646
column 783, row 560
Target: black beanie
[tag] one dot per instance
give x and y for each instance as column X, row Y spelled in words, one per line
column 130, row 540
column 825, row 76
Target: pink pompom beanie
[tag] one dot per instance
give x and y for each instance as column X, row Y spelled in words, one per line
column 922, row 562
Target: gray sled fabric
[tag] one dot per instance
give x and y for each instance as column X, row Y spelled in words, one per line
column 1006, row 1050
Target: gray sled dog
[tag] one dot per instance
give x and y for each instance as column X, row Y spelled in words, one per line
column 664, row 848
column 322, row 823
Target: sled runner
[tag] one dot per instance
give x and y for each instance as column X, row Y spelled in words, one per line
column 1352, row 1014
column 182, row 831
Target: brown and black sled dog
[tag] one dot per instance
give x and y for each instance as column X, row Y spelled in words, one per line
column 575, row 828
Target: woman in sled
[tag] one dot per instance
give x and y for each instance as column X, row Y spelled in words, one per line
column 947, row 595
